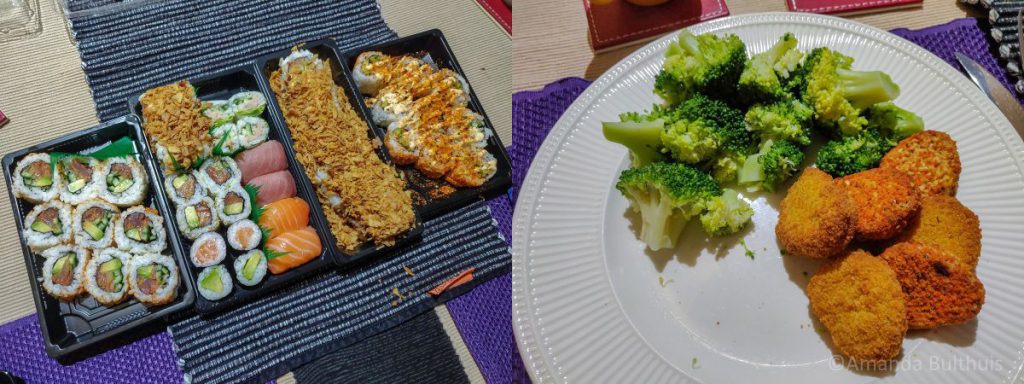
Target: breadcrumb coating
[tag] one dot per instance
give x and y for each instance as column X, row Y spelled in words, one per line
column 939, row 289
column 931, row 160
column 817, row 218
column 947, row 224
column 176, row 127
column 886, row 201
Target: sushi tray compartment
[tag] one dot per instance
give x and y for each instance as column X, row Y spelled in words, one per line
column 436, row 195
column 223, row 86
column 72, row 324
column 327, row 50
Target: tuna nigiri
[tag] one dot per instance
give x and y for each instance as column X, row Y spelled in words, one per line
column 284, row 215
column 294, row 248
column 261, row 160
column 273, row 187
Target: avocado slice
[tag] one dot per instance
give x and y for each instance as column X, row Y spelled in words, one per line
column 191, row 217
column 123, row 185
column 59, row 265
column 57, row 229
column 234, row 208
column 134, row 234
column 94, row 231
column 145, row 271
column 76, row 185
column 111, row 265
column 33, row 181
column 249, row 269
column 40, row 226
column 179, row 181
column 212, row 281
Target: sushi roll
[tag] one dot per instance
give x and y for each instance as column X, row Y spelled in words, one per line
column 248, row 103
column 184, row 188
column 153, row 279
column 402, row 140
column 106, row 276
column 79, row 178
column 244, row 235
column 389, row 107
column 225, row 139
column 251, row 131
column 218, row 174
column 456, row 86
column 197, row 219
column 214, row 283
column 140, row 230
column 208, row 249
column 34, row 179
column 233, row 205
column 251, row 268
column 124, row 181
column 218, row 111
column 48, row 225
column 93, row 223
column 64, row 271
column 477, row 133
column 368, row 71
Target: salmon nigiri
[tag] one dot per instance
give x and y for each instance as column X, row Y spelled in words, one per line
column 296, row 246
column 284, row 215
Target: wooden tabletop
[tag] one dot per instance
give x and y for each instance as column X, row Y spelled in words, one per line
column 550, row 37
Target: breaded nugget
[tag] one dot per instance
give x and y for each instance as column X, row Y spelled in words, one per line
column 816, row 218
column 886, row 201
column 857, row 298
column 949, row 225
column 939, row 289
column 930, row 159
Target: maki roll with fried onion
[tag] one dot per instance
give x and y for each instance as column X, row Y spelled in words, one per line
column 34, row 179
column 48, row 225
column 93, row 224
column 123, row 181
column 140, row 230
column 197, row 219
column 153, row 279
column 106, row 276
column 64, row 271
column 79, row 176
column 184, row 188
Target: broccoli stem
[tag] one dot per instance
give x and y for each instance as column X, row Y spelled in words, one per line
column 688, row 42
column 643, row 139
column 662, row 222
column 866, row 88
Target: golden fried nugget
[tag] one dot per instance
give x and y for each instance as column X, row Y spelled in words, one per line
column 948, row 225
column 939, row 289
column 816, row 218
column 886, row 201
column 930, row 159
column 857, row 298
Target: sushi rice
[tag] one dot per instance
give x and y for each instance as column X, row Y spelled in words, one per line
column 153, row 278
column 214, row 282
column 248, row 103
column 68, row 282
column 97, row 231
column 251, row 268
column 218, row 174
column 36, row 190
column 196, row 219
column 80, row 179
column 191, row 179
column 218, row 111
column 244, row 235
column 52, row 229
column 123, row 190
column 367, row 80
column 108, row 265
column 251, row 131
column 140, row 229
column 225, row 139
column 389, row 107
column 208, row 249
column 233, row 205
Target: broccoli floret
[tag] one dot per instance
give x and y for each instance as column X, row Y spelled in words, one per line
column 765, row 75
column 776, row 162
column 838, row 94
column 691, row 141
column 700, row 63
column 851, row 154
column 667, row 196
column 657, row 112
column 726, row 214
column 642, row 138
column 894, row 122
column 735, row 141
column 782, row 120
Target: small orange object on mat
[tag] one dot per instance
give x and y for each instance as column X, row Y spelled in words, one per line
column 462, row 278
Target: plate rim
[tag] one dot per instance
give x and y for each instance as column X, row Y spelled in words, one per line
column 535, row 362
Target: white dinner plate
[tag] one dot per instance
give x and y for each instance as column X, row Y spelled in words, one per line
column 592, row 305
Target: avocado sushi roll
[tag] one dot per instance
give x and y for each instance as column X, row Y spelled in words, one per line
column 64, row 271
column 93, row 223
column 197, row 219
column 251, row 268
column 79, row 178
column 34, row 179
column 218, row 111
column 214, row 283
column 368, row 71
column 218, row 174
column 208, row 249
column 184, row 188
column 225, row 139
column 153, row 279
column 248, row 103
column 48, row 225
column 106, row 276
column 124, row 182
column 251, row 131
column 233, row 205
column 244, row 235
column 140, row 229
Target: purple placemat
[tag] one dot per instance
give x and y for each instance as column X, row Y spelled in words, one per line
column 535, row 112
